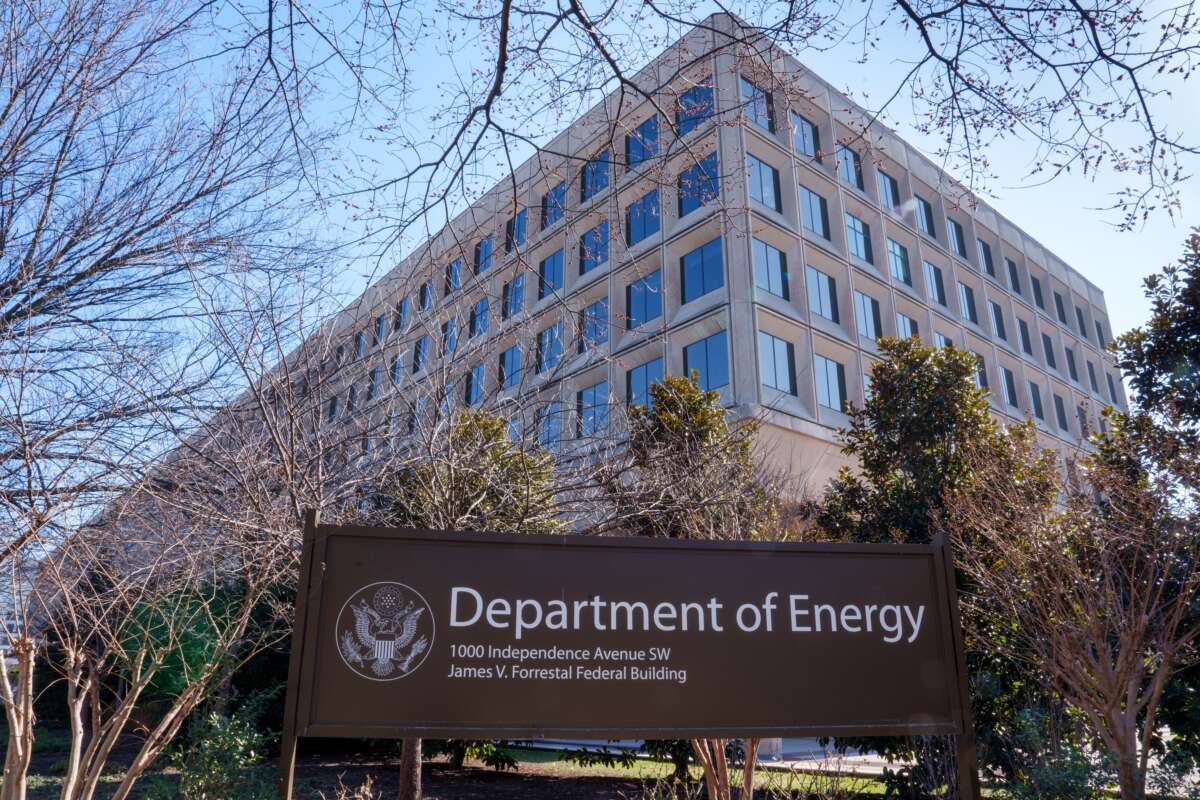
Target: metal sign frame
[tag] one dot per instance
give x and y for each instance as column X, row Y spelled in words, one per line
column 310, row 597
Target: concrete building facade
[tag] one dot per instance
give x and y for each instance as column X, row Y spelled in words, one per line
column 740, row 218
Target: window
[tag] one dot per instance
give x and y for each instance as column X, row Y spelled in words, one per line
column 981, row 377
column 594, row 176
column 449, row 337
column 1060, row 308
column 822, row 294
column 1048, row 349
column 1014, row 278
column 850, row 166
column 331, row 411
column 831, row 383
column 934, row 285
column 985, row 257
column 776, row 359
column 550, row 425
column 966, row 303
column 770, row 268
column 815, row 212
column 642, row 143
column 473, row 385
column 1036, row 285
column 866, row 308
column 958, row 240
column 1060, row 413
column 760, row 109
column 420, row 354
column 925, row 216
column 397, row 369
column 484, row 248
column 380, row 330
column 1010, row 387
column 1083, row 334
column 1035, row 398
column 998, row 321
column 643, row 299
column 513, row 296
column 514, row 230
column 593, row 325
column 764, row 183
column 550, row 274
column 806, row 137
column 709, row 357
column 478, row 322
column 1092, row 377
column 1023, row 330
column 1071, row 370
column 593, row 248
column 942, row 340
column 454, row 274
column 889, row 192
column 1112, row 388
column 1100, row 340
column 549, row 347
column 554, row 203
column 702, row 270
column 641, row 218
column 360, row 344
column 859, row 235
column 426, row 296
column 898, row 257
column 510, row 367
column 591, row 404
column 695, row 106
column 639, row 380
column 401, row 315
column 698, row 185
column 907, row 327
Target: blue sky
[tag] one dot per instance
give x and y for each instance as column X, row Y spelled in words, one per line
column 1067, row 215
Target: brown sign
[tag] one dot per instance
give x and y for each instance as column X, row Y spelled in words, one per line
column 421, row 633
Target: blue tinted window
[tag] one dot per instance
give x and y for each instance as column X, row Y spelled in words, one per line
column 776, row 362
column 858, row 233
column 420, row 353
column 401, row 315
column 479, row 318
column 549, row 347
column 592, row 408
column 831, row 383
column 514, row 297
column 510, row 367
column 925, row 216
column 814, row 212
column 593, row 323
column 695, row 106
column 514, row 231
column 483, row 254
column 642, row 143
column 550, row 274
column 454, row 274
column 593, row 248
column 553, row 204
column 850, row 166
column 709, row 357
column 763, row 182
column 702, row 270
column 759, row 106
column 550, row 425
column 641, row 218
column 898, row 256
column 698, row 185
column 770, row 268
column 426, row 296
column 473, row 392
column 644, row 299
column 594, row 176
column 822, row 294
column 449, row 337
column 640, row 379
column 807, row 137
column 958, row 240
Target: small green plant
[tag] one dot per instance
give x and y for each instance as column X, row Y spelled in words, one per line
column 667, row 789
column 222, row 762
column 457, row 751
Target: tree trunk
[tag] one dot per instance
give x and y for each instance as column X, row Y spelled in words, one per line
column 410, row 769
column 1130, row 779
column 18, row 707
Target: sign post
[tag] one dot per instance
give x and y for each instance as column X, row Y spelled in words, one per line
column 410, row 633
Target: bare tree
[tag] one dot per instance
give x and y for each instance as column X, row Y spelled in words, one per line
column 1093, row 571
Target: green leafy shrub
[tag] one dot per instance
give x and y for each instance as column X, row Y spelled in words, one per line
column 457, row 751
column 222, row 762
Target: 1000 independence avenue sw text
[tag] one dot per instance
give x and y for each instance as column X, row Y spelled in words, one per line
column 891, row 622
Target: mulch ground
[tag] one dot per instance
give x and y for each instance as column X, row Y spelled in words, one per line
column 440, row 782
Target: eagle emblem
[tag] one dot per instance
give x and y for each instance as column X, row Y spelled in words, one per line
column 384, row 631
